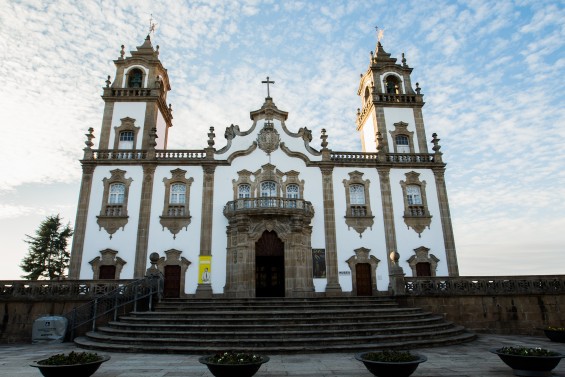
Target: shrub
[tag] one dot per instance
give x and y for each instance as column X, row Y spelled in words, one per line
column 526, row 351
column 390, row 356
column 71, row 359
column 230, row 357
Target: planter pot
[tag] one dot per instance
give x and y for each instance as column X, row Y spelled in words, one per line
column 389, row 368
column 75, row 370
column 555, row 335
column 231, row 370
column 530, row 366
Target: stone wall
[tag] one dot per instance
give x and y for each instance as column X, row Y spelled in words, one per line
column 521, row 314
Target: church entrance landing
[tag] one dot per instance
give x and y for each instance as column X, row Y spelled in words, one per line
column 269, row 266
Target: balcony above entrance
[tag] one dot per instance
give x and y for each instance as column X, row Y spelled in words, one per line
column 269, row 206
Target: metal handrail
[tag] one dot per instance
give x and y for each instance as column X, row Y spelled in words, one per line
column 133, row 292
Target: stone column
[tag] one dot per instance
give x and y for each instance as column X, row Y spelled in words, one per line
column 381, row 127
column 388, row 214
column 445, row 216
column 205, row 290
column 80, row 222
column 140, row 266
column 420, row 130
column 332, row 287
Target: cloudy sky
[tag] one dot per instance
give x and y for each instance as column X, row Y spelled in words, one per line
column 491, row 72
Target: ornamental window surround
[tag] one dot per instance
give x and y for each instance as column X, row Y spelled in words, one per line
column 114, row 214
column 176, row 213
column 402, row 139
column 126, row 134
column 358, row 204
column 416, row 212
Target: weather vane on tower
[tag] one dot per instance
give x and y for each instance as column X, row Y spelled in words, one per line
column 380, row 33
column 152, row 25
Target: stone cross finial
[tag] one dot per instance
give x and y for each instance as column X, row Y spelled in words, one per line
column 89, row 137
column 268, row 82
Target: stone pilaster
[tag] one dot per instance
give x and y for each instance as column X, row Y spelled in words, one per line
column 332, row 287
column 205, row 290
column 420, row 130
column 106, row 126
column 445, row 216
column 140, row 266
column 80, row 222
column 388, row 213
column 379, row 120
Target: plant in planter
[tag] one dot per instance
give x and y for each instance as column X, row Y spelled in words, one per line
column 391, row 363
column 555, row 334
column 75, row 364
column 227, row 364
column 528, row 361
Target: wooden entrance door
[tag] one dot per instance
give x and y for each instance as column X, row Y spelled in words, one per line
column 107, row 272
column 363, row 279
column 423, row 269
column 172, row 282
column 269, row 266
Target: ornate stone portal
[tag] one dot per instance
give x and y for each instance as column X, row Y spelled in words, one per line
column 247, row 225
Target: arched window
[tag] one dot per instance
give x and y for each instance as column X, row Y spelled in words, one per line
column 268, row 188
column 292, row 192
column 135, row 78
column 243, row 191
column 117, row 193
column 392, row 85
column 356, row 195
column 402, row 144
column 367, row 95
column 126, row 140
column 413, row 195
column 178, row 193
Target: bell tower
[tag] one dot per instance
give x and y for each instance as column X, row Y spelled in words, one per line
column 390, row 106
column 136, row 101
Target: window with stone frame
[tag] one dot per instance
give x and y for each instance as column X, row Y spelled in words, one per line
column 114, row 214
column 403, row 140
column 422, row 263
column 135, row 78
column 358, row 204
column 176, row 213
column 126, row 134
column 268, row 190
column 416, row 212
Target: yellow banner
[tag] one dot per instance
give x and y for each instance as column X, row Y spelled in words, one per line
column 205, row 270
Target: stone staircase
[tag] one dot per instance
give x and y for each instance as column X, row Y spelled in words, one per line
column 274, row 326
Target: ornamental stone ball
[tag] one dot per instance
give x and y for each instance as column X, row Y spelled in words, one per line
column 154, row 257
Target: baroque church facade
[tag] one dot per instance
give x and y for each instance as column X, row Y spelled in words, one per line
column 267, row 210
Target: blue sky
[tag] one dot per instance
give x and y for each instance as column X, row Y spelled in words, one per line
column 491, row 73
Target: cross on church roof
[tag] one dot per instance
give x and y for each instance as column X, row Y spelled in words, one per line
column 268, row 82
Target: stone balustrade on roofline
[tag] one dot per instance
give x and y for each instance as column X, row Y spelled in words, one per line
column 38, row 290
column 397, row 158
column 264, row 205
column 133, row 92
column 136, row 155
column 484, row 285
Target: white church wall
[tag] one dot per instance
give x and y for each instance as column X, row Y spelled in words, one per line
column 161, row 131
column 187, row 240
column 134, row 110
column 400, row 114
column 348, row 239
column 97, row 239
column 369, row 135
column 407, row 239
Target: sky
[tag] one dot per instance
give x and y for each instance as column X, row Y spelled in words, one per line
column 491, row 73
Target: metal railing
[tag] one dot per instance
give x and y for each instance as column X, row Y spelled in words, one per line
column 150, row 288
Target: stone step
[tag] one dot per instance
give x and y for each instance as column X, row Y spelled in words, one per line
column 240, row 326
column 274, row 326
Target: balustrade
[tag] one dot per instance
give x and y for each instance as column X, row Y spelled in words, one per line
column 358, row 211
column 114, row 210
column 254, row 204
column 417, row 211
column 53, row 289
column 176, row 211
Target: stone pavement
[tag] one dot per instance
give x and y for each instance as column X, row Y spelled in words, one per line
column 463, row 360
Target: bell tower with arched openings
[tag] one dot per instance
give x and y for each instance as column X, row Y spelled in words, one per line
column 390, row 106
column 136, row 101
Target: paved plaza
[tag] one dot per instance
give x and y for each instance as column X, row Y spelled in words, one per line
column 469, row 359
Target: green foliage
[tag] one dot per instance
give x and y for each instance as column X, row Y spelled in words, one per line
column 71, row 359
column 390, row 356
column 47, row 256
column 555, row 328
column 526, row 351
column 234, row 358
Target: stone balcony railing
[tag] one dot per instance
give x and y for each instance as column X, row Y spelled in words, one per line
column 276, row 205
column 484, row 285
column 372, row 157
column 136, row 155
column 57, row 289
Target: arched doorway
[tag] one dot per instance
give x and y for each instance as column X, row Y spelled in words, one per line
column 269, row 266
column 363, row 276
